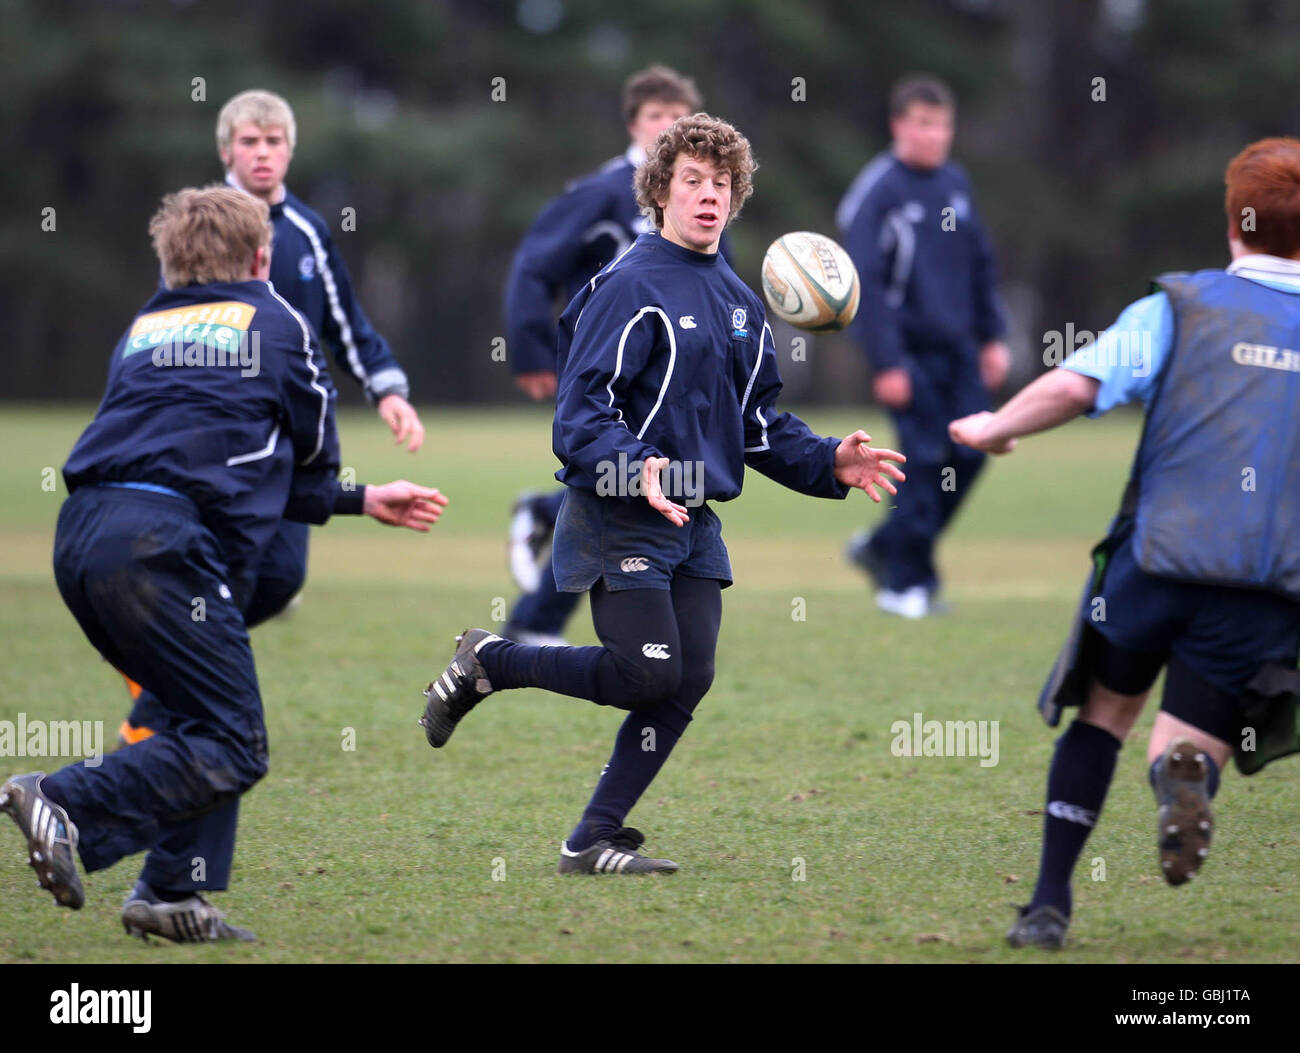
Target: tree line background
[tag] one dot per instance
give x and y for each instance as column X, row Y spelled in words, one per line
column 1095, row 131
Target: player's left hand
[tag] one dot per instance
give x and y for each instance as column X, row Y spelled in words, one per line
column 977, row 431
column 404, row 504
column 995, row 364
column 402, row 420
column 860, row 466
column 653, row 491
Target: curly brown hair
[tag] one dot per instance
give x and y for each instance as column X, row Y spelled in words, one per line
column 704, row 138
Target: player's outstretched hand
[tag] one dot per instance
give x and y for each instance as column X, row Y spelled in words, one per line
column 404, row 504
column 977, row 432
column 654, row 492
column 857, row 464
column 537, row 385
column 402, row 420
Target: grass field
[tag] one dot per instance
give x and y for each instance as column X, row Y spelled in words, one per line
column 392, row 852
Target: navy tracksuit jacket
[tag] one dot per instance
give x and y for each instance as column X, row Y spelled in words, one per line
column 591, row 224
column 929, row 302
column 667, row 353
column 217, row 403
column 308, row 272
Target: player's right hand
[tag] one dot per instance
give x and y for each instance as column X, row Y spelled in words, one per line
column 402, row 420
column 979, row 431
column 404, row 504
column 893, row 388
column 654, row 493
column 538, row 385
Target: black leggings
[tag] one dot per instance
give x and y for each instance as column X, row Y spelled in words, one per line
column 658, row 646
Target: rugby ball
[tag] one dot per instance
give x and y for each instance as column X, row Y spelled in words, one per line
column 810, row 282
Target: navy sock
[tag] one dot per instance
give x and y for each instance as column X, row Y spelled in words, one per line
column 640, row 750
column 1211, row 774
column 1077, row 783
column 160, row 895
column 564, row 670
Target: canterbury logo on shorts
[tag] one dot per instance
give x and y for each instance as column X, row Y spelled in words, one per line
column 655, row 650
column 633, row 564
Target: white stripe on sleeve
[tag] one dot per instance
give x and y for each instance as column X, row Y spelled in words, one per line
column 315, row 375
column 331, row 291
column 749, row 388
column 668, row 373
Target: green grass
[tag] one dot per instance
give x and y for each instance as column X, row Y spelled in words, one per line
column 388, row 852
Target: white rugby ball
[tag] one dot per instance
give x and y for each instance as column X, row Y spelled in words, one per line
column 810, row 282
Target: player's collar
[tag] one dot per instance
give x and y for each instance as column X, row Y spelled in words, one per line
column 681, row 252
column 635, row 156
column 1260, row 267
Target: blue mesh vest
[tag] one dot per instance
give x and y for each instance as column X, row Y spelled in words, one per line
column 1216, row 480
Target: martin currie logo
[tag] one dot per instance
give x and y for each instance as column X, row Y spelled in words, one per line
column 202, row 336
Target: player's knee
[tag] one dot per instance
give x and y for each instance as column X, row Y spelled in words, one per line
column 228, row 764
column 252, row 772
column 252, row 756
column 255, row 763
column 695, row 684
column 653, row 681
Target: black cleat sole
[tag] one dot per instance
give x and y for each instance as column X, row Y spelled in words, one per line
column 1186, row 823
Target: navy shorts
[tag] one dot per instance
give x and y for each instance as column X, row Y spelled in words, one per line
column 628, row 545
column 1221, row 634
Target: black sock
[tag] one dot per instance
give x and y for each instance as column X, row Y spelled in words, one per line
column 1077, row 782
column 162, row 895
column 640, row 750
column 170, row 896
column 564, row 670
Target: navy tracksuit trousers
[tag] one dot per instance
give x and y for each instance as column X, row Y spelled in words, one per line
column 946, row 385
column 546, row 609
column 280, row 577
column 146, row 582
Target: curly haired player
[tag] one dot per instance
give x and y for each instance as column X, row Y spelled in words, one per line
column 667, row 391
column 572, row 238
